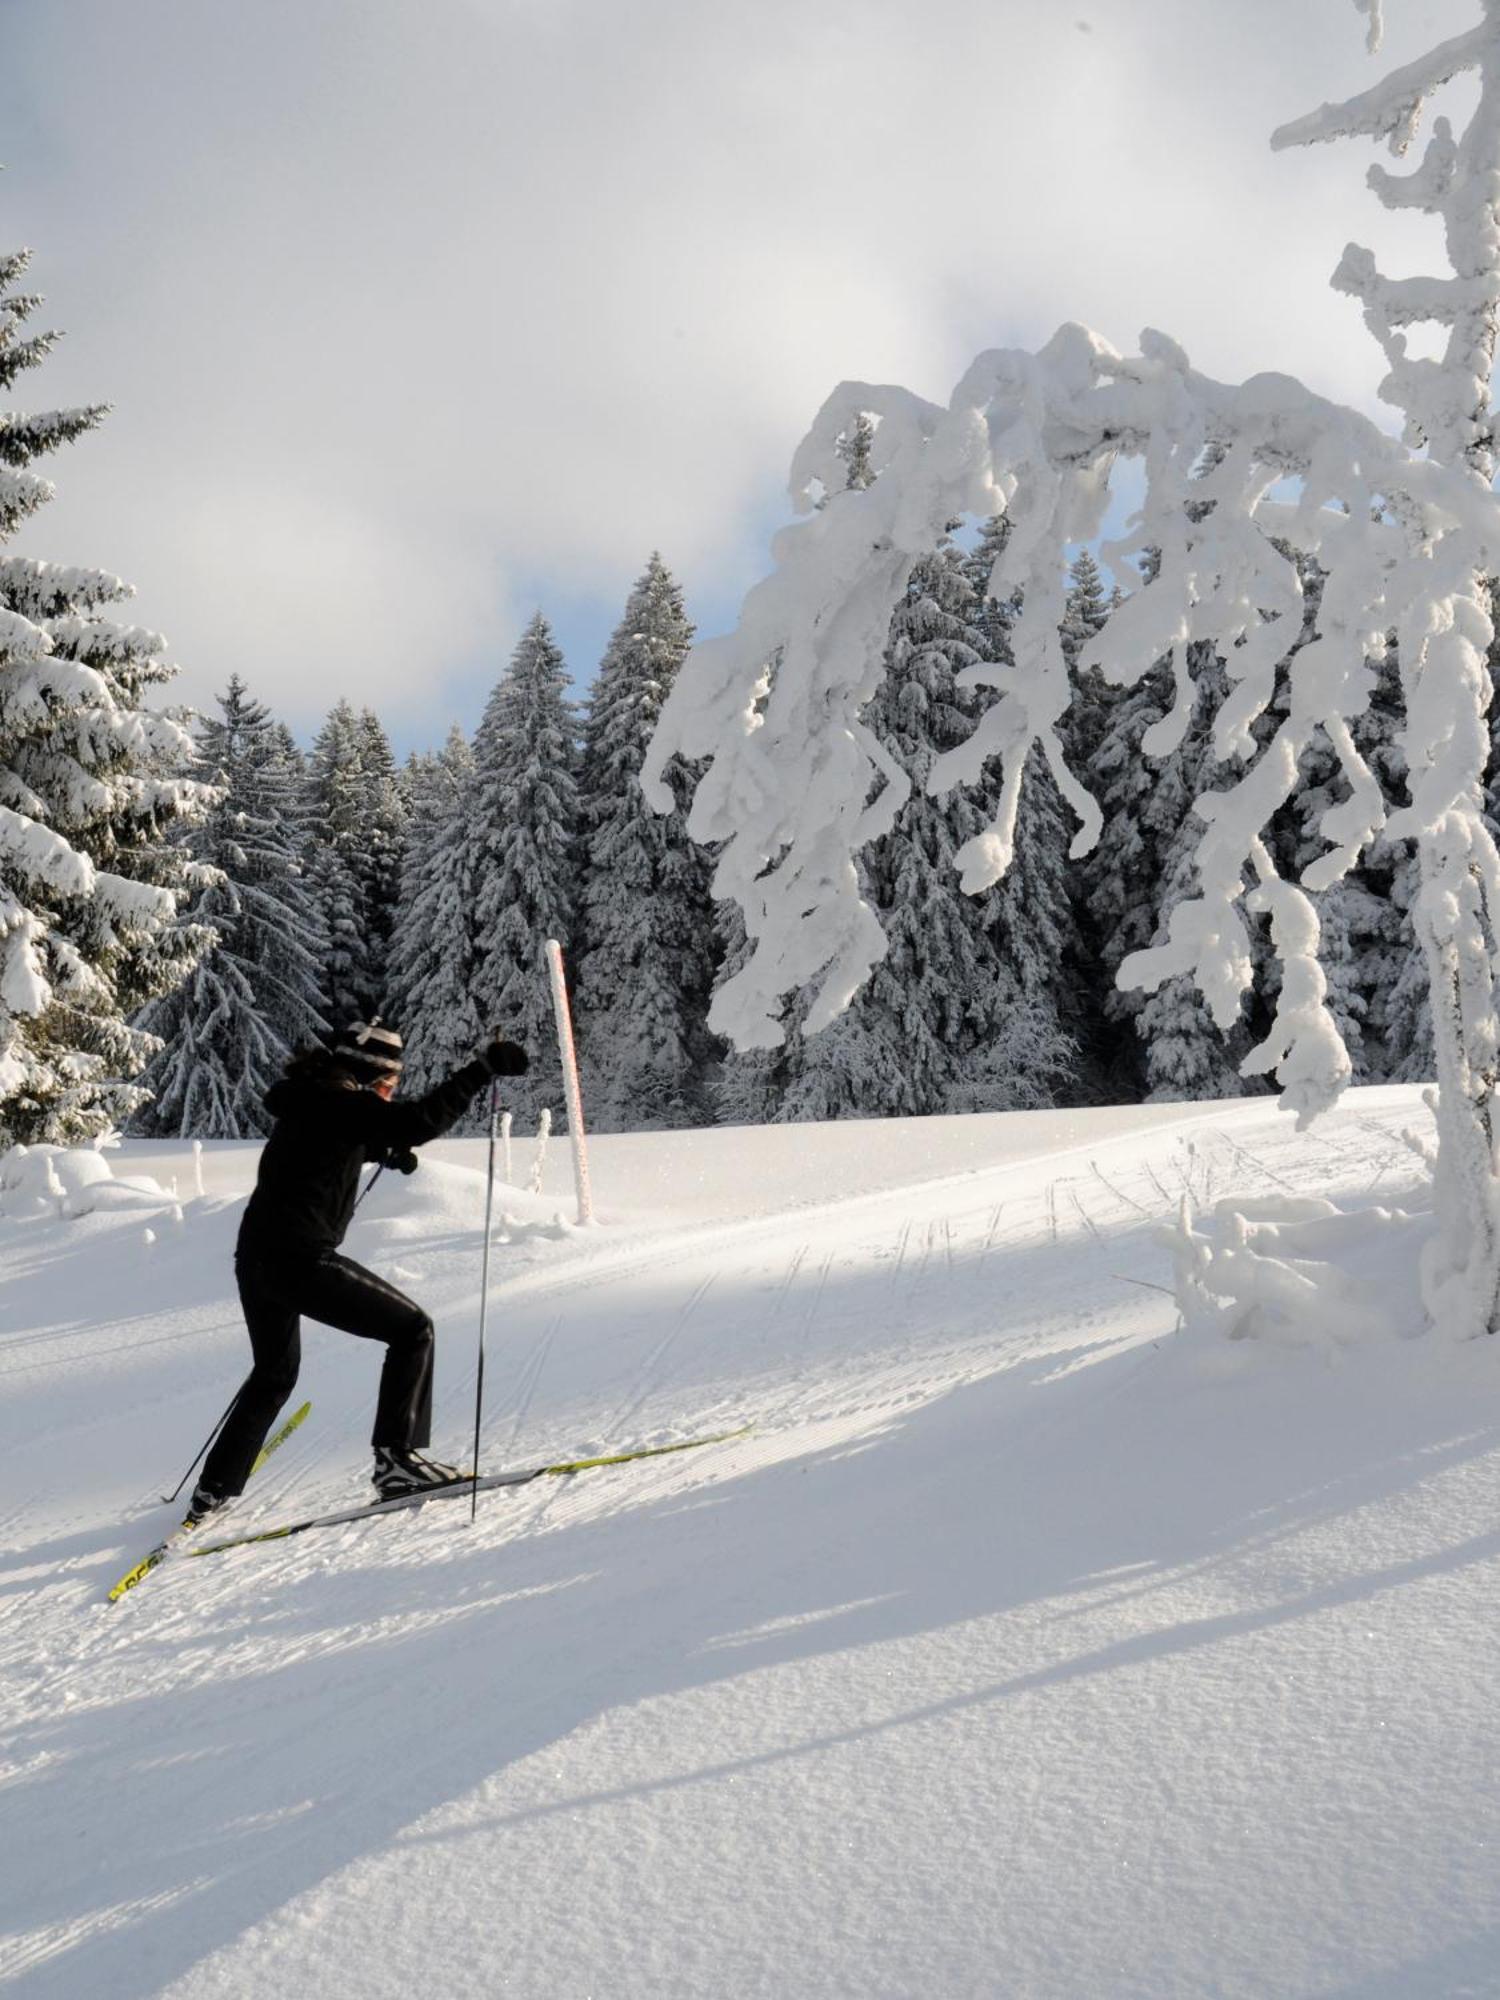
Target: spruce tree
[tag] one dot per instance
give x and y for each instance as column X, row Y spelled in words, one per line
column 524, row 832
column 358, row 817
column 749, row 1084
column 962, row 1012
column 1094, row 700
column 1123, row 902
column 229, row 1029
column 854, row 450
column 435, row 955
column 1039, row 1051
column 336, row 826
column 385, row 831
column 1184, row 1052
column 91, row 882
column 647, row 959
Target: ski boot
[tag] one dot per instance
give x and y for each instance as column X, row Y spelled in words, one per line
column 205, row 1502
column 399, row 1470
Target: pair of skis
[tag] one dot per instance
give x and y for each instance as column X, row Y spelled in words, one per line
column 487, row 1482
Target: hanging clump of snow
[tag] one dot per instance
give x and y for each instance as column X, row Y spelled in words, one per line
column 1241, row 481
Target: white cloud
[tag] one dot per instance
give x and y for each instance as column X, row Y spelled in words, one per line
column 409, row 308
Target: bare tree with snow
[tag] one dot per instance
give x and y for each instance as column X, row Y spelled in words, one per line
column 1244, row 485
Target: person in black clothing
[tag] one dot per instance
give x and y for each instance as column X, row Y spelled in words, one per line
column 333, row 1113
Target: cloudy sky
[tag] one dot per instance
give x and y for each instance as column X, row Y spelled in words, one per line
column 417, row 315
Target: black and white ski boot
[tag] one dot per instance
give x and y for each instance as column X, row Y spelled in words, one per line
column 400, row 1470
column 205, row 1502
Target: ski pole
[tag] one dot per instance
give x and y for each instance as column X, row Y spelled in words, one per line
column 484, row 1292
column 202, row 1449
column 366, row 1189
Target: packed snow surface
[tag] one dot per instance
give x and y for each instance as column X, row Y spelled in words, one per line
column 1027, row 1644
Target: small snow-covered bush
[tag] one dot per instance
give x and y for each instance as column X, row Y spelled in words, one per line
column 1301, row 1272
column 36, row 1180
column 67, row 1182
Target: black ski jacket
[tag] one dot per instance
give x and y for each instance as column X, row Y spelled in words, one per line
column 327, row 1127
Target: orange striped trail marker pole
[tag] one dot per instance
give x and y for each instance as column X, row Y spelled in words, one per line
column 571, row 1092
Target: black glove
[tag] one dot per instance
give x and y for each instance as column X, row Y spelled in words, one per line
column 400, row 1160
column 504, row 1058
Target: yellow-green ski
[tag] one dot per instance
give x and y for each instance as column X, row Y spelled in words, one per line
column 165, row 1547
column 458, row 1488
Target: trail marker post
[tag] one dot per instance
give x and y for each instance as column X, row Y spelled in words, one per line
column 571, row 1092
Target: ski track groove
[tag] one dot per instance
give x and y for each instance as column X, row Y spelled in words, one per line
column 646, row 1380
column 529, row 1379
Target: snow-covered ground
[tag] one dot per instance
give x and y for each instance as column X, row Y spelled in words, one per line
column 1026, row 1645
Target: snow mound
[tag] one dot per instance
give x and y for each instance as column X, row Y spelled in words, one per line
column 442, row 1195
column 66, row 1183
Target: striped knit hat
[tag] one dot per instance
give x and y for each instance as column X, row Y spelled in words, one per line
column 368, row 1045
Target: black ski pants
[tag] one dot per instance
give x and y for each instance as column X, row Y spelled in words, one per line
column 276, row 1295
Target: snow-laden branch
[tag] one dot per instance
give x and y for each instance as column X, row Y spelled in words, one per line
column 1392, row 109
column 43, row 589
column 33, row 853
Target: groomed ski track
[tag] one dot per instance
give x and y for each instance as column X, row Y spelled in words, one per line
column 1016, row 1635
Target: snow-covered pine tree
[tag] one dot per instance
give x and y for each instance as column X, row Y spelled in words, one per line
column 749, row 1084
column 1393, row 972
column 1166, row 1045
column 1087, row 608
column 854, row 450
column 907, row 1039
column 523, row 833
column 385, row 822
column 334, row 821
column 1043, row 1050
column 357, row 814
column 228, row 1030
column 420, row 783
column 434, row 949
column 1184, row 1055
column 91, row 885
column 962, row 1012
column 1123, row 900
column 647, row 955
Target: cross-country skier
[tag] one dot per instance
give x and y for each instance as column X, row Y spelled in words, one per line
column 333, row 1112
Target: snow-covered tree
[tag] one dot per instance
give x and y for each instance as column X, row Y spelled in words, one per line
column 1404, row 534
column 524, row 832
column 435, row 953
column 356, row 815
column 228, row 1030
column 962, row 1012
column 91, row 883
column 1086, row 610
column 385, row 835
column 647, row 960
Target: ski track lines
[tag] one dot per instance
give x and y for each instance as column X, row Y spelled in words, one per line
column 108, row 1684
